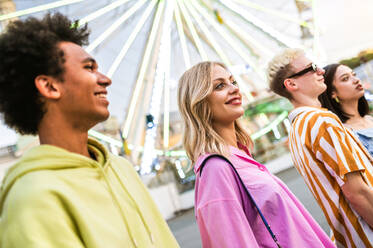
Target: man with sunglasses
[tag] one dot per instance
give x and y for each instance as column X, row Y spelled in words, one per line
column 332, row 161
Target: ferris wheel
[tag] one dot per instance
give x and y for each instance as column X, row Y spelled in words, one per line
column 145, row 45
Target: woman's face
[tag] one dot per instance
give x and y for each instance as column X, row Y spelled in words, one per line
column 225, row 99
column 347, row 86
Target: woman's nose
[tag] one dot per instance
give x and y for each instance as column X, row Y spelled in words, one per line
column 233, row 88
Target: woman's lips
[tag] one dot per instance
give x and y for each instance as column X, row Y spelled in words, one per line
column 359, row 87
column 234, row 101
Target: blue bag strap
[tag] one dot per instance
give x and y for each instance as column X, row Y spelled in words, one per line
column 246, row 191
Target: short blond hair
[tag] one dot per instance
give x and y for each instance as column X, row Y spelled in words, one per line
column 199, row 137
column 279, row 68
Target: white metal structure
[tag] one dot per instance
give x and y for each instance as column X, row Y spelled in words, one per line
column 145, row 45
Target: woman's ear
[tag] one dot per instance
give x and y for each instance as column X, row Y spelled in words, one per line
column 47, row 86
column 334, row 94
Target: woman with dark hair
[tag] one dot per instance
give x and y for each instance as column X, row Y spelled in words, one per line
column 345, row 97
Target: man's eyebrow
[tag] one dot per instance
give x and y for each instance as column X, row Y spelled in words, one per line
column 89, row 59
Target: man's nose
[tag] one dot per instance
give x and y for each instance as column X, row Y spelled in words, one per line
column 320, row 71
column 103, row 79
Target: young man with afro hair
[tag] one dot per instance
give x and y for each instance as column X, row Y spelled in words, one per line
column 69, row 191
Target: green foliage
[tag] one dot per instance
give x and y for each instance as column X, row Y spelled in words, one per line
column 362, row 58
column 276, row 106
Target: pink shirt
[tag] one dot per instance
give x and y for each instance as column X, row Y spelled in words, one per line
column 227, row 218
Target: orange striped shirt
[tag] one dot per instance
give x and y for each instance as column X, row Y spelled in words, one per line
column 324, row 151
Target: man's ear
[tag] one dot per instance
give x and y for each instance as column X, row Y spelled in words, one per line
column 47, row 87
column 290, row 85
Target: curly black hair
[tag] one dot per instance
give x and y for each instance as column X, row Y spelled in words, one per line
column 29, row 48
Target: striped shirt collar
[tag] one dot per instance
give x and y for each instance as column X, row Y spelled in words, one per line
column 295, row 112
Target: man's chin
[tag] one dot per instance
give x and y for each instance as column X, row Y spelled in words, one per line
column 103, row 116
column 106, row 116
column 322, row 89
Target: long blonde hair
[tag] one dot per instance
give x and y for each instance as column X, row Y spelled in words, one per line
column 195, row 85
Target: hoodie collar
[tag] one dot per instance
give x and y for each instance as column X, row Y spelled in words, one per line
column 48, row 157
column 100, row 152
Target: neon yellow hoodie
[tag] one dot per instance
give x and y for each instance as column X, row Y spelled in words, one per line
column 55, row 198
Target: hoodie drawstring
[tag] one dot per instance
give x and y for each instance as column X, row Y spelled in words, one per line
column 118, row 205
column 121, row 210
column 136, row 205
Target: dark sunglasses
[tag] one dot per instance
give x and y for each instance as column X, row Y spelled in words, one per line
column 313, row 67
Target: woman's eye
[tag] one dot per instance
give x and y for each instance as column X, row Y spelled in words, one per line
column 219, row 86
column 235, row 83
column 345, row 78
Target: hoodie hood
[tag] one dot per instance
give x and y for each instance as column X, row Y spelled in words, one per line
column 48, row 157
column 108, row 185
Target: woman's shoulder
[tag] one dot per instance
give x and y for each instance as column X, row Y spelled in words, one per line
column 212, row 164
column 216, row 183
column 361, row 124
column 369, row 118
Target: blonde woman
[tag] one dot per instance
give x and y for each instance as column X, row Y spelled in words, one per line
column 238, row 203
